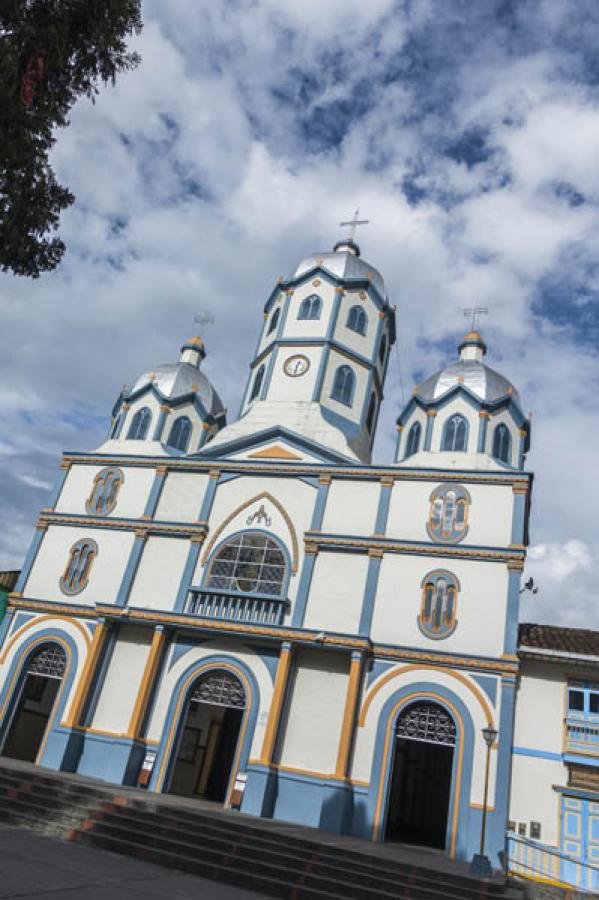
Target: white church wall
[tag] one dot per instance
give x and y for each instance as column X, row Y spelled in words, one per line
column 132, row 496
column 106, row 572
column 181, row 497
column 159, row 573
column 540, row 710
column 310, row 740
column 123, row 679
column 351, row 507
column 532, row 798
column 290, row 388
column 361, row 372
column 335, row 599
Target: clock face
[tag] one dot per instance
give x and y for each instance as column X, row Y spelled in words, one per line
column 296, row 365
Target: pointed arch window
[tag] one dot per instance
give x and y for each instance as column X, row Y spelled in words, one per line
column 180, row 434
column 310, row 307
column 250, row 562
column 78, row 567
column 274, row 320
column 344, row 385
column 104, row 493
column 357, row 320
column 382, row 349
column 371, row 413
column 140, row 423
column 448, row 514
column 455, row 434
column 257, row 385
column 413, row 444
column 502, row 443
column 437, row 618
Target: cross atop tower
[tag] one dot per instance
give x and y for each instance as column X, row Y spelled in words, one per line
column 202, row 320
column 353, row 224
column 473, row 313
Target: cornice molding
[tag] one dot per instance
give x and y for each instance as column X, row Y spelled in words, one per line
column 140, row 527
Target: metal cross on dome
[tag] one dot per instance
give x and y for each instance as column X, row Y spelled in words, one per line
column 473, row 313
column 202, row 320
column 353, row 224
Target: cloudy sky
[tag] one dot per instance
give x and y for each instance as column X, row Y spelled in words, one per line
column 468, row 133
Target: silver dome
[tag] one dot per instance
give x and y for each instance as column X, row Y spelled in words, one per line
column 486, row 383
column 342, row 264
column 174, row 380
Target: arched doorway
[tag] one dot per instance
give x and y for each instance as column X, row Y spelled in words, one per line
column 420, row 792
column 208, row 736
column 44, row 671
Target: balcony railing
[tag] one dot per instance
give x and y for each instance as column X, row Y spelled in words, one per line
column 582, row 737
column 257, row 608
column 540, row 862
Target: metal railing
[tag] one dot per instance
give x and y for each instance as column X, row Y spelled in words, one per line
column 582, row 737
column 211, row 604
column 530, row 859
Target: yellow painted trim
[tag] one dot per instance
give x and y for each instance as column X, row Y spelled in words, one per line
column 294, row 770
column 480, row 806
column 275, row 451
column 87, row 674
column 394, row 673
column 112, row 523
column 352, row 698
column 147, row 683
column 31, row 624
column 276, row 706
column 456, row 551
column 541, row 879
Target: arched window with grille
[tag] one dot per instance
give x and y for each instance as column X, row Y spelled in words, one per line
column 502, row 443
column 310, row 307
column 274, row 320
column 249, row 562
column 104, row 493
column 448, row 514
column 371, row 413
column 455, row 434
column 382, row 349
column 413, row 442
column 257, row 385
column 344, row 385
column 77, row 571
column 437, row 617
column 140, row 423
column 357, row 320
column 180, row 434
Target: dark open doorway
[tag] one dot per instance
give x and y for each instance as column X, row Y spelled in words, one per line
column 35, row 703
column 420, row 790
column 209, row 736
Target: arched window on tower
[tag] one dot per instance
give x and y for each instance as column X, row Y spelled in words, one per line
column 455, row 434
column 502, row 443
column 180, row 434
column 448, row 514
column 310, row 307
column 371, row 413
column 274, row 320
column 356, row 320
column 382, row 349
column 250, row 562
column 78, row 568
column 140, row 423
column 257, row 385
column 437, row 618
column 106, row 486
column 344, row 385
column 413, row 443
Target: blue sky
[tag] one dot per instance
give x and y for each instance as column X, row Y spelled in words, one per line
column 468, row 133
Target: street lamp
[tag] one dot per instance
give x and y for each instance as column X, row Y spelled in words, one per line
column 480, row 864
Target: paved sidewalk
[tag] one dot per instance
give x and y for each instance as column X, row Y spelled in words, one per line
column 35, row 867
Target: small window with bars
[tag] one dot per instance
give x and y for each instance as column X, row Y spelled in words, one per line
column 437, row 618
column 583, row 699
column 78, row 568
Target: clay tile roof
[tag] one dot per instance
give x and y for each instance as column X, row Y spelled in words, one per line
column 554, row 637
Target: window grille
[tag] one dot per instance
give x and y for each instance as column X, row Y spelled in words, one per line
column 437, row 617
column 257, row 383
column 343, row 385
column 102, row 499
column 180, row 433
column 448, row 515
column 76, row 574
column 310, row 307
column 428, row 723
column 219, row 688
column 249, row 562
column 455, row 434
column 371, row 412
column 413, row 439
column 383, row 349
column 140, row 423
column 274, row 321
column 502, row 443
column 356, row 320
column 50, row 661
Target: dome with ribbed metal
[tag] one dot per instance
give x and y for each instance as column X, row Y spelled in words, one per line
column 345, row 263
column 174, row 380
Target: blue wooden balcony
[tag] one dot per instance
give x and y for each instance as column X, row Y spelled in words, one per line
column 582, row 736
column 232, row 607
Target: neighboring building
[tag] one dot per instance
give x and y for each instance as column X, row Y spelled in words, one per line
column 8, row 581
column 258, row 614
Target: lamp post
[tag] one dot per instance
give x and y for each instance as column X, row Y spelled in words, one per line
column 480, row 864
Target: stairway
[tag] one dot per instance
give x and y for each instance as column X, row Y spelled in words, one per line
column 221, row 846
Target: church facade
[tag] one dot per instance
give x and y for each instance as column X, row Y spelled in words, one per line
column 256, row 613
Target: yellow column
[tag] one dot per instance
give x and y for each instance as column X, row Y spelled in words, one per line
column 276, row 706
column 85, row 679
column 349, row 716
column 147, row 683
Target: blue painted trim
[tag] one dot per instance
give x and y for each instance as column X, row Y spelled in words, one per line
column 154, row 496
column 57, row 489
column 506, row 402
column 303, row 590
column 187, row 576
column 99, row 676
column 5, row 625
column 36, row 542
column 118, row 425
column 322, row 367
column 160, row 425
column 264, row 387
column 489, row 686
column 518, row 518
column 382, row 512
column 319, row 507
column 538, row 754
column 428, row 434
column 369, row 597
column 208, row 499
column 521, row 451
column 130, row 571
column 510, row 636
column 483, row 423
column 499, row 815
column 269, row 434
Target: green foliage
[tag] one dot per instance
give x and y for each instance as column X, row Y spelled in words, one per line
column 51, row 53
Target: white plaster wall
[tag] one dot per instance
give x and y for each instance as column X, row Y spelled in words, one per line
column 532, row 798
column 159, row 573
column 123, row 679
column 287, row 387
column 335, row 599
column 540, row 707
column 131, row 499
column 353, row 412
column 181, row 497
column 107, row 569
column 310, row 740
column 457, row 405
column 504, row 417
column 480, row 607
column 363, row 344
column 351, row 507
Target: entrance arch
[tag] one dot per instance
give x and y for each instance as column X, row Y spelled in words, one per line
column 209, row 735
column 33, row 710
column 422, row 772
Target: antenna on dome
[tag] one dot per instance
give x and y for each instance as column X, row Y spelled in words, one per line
column 473, row 313
column 202, row 320
column 353, row 224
